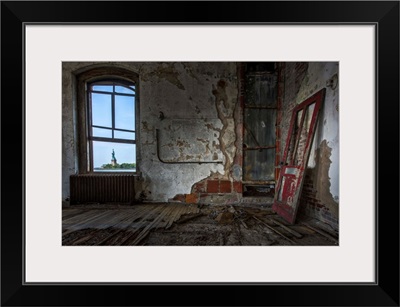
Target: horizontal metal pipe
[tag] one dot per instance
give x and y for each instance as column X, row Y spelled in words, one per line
column 259, row 147
column 260, row 107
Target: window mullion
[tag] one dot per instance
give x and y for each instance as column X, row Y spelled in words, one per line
column 90, row 132
column 108, row 140
column 113, row 111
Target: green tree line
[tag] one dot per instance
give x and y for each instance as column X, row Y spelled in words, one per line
column 119, row 166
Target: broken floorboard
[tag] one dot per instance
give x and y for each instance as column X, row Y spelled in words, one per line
column 177, row 224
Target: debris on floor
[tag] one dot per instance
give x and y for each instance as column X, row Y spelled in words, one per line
column 175, row 224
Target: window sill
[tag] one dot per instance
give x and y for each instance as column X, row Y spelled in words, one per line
column 112, row 173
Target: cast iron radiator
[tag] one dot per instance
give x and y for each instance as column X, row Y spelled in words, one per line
column 102, row 188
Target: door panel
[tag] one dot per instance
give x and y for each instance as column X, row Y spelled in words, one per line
column 295, row 157
column 259, row 135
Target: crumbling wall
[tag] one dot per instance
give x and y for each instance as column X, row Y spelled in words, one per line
column 320, row 195
column 188, row 122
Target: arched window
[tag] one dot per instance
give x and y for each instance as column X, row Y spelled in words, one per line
column 107, row 117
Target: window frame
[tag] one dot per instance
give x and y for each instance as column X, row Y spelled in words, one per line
column 83, row 116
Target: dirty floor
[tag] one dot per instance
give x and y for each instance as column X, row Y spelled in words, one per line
column 188, row 225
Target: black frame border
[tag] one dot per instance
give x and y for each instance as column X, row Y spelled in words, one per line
column 383, row 14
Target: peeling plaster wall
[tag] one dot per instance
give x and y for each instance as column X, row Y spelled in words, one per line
column 321, row 188
column 69, row 148
column 192, row 105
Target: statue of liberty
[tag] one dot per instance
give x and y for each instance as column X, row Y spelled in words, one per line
column 113, row 159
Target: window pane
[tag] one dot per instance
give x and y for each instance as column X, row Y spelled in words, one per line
column 105, row 133
column 124, row 89
column 125, row 156
column 103, row 88
column 101, row 110
column 125, row 112
column 124, row 135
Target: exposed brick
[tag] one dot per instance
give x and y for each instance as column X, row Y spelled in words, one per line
column 237, row 187
column 199, row 187
column 192, row 198
column 225, row 186
column 213, row 186
column 179, row 197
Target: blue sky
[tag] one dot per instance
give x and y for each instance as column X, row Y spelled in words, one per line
column 124, row 153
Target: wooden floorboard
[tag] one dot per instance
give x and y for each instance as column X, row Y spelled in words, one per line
column 142, row 224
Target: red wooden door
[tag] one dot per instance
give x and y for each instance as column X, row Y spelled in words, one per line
column 295, row 157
